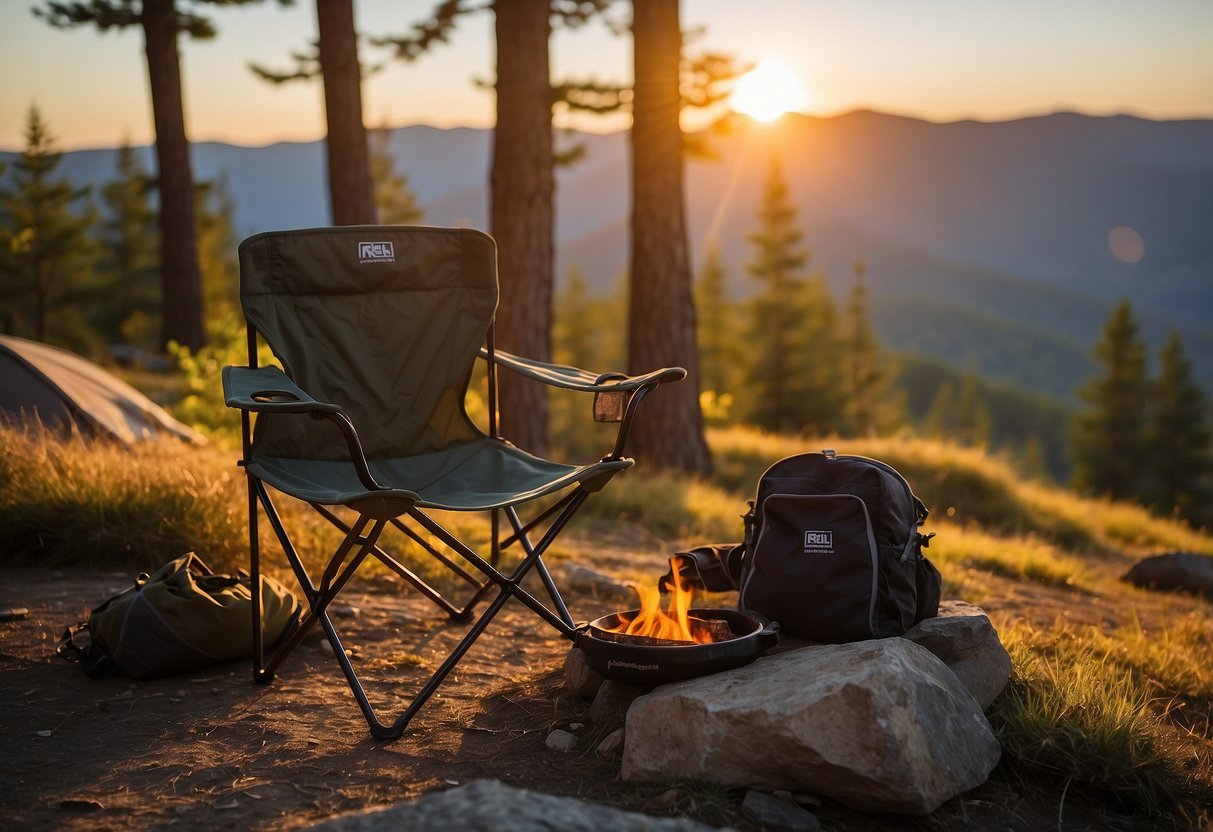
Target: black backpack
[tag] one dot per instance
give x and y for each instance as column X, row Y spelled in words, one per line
column 833, row 550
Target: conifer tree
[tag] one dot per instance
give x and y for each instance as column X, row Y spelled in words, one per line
column 872, row 407
column 334, row 59
column 972, row 421
column 1108, row 441
column 44, row 249
column 394, row 199
column 217, row 245
column 795, row 380
column 778, row 309
column 162, row 22
column 130, row 255
column 576, row 336
column 720, row 348
column 523, row 183
column 939, row 421
column 1179, row 436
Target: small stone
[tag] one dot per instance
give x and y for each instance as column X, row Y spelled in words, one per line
column 345, row 610
column 576, row 727
column 595, row 583
column 612, row 701
column 581, row 679
column 611, row 744
column 772, row 813
column 561, row 741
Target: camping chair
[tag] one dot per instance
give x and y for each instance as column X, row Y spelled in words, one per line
column 377, row 329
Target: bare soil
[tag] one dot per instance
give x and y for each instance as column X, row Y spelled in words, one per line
column 213, row 749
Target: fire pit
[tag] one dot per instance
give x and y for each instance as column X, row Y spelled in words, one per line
column 651, row 646
column 647, row 661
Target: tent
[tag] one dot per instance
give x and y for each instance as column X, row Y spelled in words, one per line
column 66, row 392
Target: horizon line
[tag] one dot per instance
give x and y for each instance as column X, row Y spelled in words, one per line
column 838, row 114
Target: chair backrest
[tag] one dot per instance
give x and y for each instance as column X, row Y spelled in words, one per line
column 385, row 321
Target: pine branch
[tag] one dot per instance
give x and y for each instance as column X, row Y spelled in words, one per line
column 437, row 29
column 307, row 66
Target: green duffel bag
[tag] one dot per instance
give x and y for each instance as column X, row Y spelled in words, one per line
column 180, row 618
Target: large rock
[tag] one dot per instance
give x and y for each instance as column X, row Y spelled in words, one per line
column 880, row 726
column 1175, row 570
column 490, row 806
column 963, row 638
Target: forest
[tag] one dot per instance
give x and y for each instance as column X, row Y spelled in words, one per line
column 140, row 269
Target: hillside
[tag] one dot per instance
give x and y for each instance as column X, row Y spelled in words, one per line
column 1104, row 723
column 1002, row 223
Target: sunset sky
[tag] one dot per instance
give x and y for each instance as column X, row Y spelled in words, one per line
column 937, row 59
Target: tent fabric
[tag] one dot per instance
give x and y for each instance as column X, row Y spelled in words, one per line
column 65, row 391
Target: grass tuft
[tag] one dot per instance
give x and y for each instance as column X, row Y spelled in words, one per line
column 1074, row 713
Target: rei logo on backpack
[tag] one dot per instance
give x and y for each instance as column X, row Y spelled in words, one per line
column 833, row 550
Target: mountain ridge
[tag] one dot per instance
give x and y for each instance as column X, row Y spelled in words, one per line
column 995, row 216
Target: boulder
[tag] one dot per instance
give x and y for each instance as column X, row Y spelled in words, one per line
column 1175, row 570
column 880, row 726
column 963, row 638
column 490, row 806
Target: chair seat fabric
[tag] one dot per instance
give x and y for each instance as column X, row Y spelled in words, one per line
column 478, row 475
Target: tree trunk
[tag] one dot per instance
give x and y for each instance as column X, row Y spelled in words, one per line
column 669, row 429
column 523, row 184
column 180, row 276
column 351, row 189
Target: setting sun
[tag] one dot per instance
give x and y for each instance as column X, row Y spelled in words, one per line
column 768, row 91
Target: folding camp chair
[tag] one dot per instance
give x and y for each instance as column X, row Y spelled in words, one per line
column 377, row 329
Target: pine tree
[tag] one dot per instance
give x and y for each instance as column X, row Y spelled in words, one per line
column 795, row 380
column 162, row 22
column 522, row 178
column 721, row 350
column 873, row 407
column 777, row 310
column 577, row 333
column 972, row 422
column 130, row 256
column 335, row 61
column 45, row 253
column 661, row 309
column 1108, row 442
column 395, row 201
column 1179, row 436
column 217, row 252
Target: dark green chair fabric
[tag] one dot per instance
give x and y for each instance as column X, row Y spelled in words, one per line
column 377, row 329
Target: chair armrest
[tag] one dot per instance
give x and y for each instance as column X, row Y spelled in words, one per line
column 268, row 390
column 574, row 378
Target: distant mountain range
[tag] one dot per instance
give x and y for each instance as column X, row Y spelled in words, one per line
column 986, row 244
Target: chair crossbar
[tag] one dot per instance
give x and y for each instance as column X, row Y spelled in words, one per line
column 360, row 542
column 452, row 609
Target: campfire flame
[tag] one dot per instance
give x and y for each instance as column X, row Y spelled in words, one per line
column 673, row 623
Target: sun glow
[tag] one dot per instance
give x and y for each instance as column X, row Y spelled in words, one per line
column 768, row 91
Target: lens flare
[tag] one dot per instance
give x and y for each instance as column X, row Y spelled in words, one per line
column 768, row 91
column 1126, row 244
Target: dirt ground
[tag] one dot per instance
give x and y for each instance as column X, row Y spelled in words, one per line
column 213, row 749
